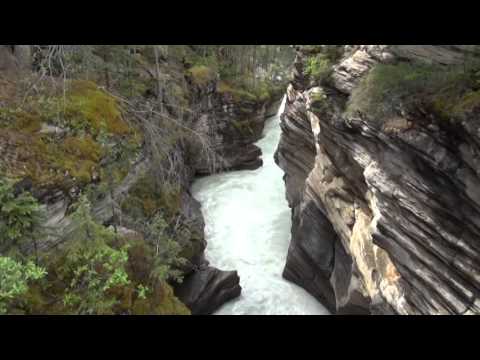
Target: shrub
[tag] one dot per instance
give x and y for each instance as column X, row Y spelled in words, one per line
column 318, row 67
column 167, row 252
column 92, row 266
column 99, row 272
column 19, row 216
column 14, row 280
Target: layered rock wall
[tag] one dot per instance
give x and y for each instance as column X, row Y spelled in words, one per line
column 385, row 213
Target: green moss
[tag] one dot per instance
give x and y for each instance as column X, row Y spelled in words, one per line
column 169, row 304
column 201, row 74
column 79, row 156
column 19, row 120
column 90, row 117
column 468, row 102
column 48, row 162
column 448, row 91
column 164, row 303
column 90, row 108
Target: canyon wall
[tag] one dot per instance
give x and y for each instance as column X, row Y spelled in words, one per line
column 125, row 175
column 385, row 209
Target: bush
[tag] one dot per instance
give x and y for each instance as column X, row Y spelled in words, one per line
column 318, row 67
column 92, row 267
column 167, row 252
column 20, row 216
column 100, row 272
column 14, row 280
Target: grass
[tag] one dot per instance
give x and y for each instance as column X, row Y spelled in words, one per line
column 449, row 92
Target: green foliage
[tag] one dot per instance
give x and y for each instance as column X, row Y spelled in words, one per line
column 14, row 280
column 238, row 92
column 104, row 274
column 388, row 86
column 162, row 301
column 92, row 265
column 95, row 269
column 19, row 215
column 167, row 252
column 318, row 67
column 18, row 119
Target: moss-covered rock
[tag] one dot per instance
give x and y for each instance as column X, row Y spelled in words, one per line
column 201, row 74
column 89, row 114
column 92, row 109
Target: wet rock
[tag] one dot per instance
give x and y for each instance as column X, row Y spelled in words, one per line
column 205, row 290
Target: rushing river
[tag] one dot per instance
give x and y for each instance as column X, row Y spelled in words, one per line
column 248, row 229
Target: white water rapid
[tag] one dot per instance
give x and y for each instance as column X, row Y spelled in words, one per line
column 248, row 229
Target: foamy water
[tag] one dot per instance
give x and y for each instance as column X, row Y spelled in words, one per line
column 248, row 229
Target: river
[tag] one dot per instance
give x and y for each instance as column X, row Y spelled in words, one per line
column 248, row 229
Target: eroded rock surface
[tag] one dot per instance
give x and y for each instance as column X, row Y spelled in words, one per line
column 386, row 214
column 207, row 289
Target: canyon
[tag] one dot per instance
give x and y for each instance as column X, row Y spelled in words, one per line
column 358, row 194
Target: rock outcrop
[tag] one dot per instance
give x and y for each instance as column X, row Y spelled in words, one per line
column 385, row 211
column 234, row 126
column 14, row 58
column 207, row 289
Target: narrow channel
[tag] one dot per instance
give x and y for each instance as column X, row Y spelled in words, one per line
column 248, row 229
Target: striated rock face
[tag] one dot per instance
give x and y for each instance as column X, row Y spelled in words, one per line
column 386, row 214
column 234, row 126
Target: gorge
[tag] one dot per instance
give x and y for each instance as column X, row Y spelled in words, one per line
column 248, row 229
column 173, row 179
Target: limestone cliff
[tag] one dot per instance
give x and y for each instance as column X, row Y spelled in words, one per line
column 385, row 208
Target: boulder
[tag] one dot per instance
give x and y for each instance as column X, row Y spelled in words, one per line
column 206, row 289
